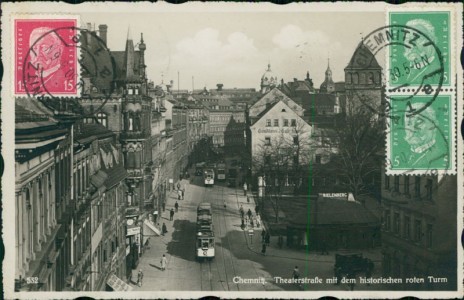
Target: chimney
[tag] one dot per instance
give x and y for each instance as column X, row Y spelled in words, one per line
column 103, row 29
column 219, row 86
column 295, row 80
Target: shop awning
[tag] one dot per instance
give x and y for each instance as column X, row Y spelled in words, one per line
column 149, row 229
column 117, row 284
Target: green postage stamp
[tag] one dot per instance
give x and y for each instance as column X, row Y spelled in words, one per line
column 231, row 149
column 421, row 94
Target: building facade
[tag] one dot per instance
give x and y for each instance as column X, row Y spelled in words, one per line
column 43, row 186
column 418, row 228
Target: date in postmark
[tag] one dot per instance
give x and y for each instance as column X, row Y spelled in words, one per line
column 46, row 61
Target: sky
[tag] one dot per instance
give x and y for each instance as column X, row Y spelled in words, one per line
column 235, row 48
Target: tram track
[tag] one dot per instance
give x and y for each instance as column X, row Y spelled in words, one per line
column 220, row 198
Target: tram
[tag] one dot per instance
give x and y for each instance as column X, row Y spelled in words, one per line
column 199, row 168
column 204, row 248
column 208, row 177
column 221, row 171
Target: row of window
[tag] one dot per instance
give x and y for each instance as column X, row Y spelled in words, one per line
column 406, row 184
column 267, row 140
column 405, row 231
column 276, row 123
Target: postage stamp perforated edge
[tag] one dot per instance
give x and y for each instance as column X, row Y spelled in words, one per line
column 380, row 294
column 452, row 93
column 453, row 35
column 16, row 76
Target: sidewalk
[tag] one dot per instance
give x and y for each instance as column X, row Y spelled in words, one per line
column 155, row 278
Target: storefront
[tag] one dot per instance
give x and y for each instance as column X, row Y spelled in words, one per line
column 330, row 222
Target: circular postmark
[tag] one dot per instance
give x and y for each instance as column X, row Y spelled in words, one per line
column 415, row 67
column 64, row 60
column 421, row 142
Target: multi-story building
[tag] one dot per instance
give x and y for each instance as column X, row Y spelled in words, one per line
column 43, row 198
column 221, row 114
column 197, row 128
column 127, row 111
column 419, row 228
column 100, row 192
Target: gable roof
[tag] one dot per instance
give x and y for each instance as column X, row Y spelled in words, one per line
column 363, row 59
column 275, row 95
column 270, row 107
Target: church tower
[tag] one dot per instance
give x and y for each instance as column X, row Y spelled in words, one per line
column 328, row 86
column 268, row 80
column 363, row 80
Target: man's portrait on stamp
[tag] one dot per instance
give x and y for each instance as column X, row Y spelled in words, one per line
column 422, row 140
column 46, row 62
column 156, row 150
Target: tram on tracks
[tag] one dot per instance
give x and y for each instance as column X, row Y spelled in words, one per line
column 221, row 171
column 208, row 177
column 204, row 248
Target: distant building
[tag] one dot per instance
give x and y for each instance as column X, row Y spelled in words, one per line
column 279, row 130
column 328, row 86
column 268, row 81
column 363, row 80
column 273, row 96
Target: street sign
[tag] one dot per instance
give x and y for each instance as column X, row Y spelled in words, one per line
column 250, row 232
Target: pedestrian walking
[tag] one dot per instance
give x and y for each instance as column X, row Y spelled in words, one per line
column 267, row 238
column 263, row 235
column 257, row 209
column 249, row 213
column 163, row 262
column 176, row 206
column 243, row 224
column 296, row 273
column 245, row 189
column 163, row 229
column 178, row 186
column 155, row 216
column 164, row 205
column 183, row 192
column 179, row 194
column 171, row 215
column 296, row 277
column 140, row 278
column 263, row 249
column 242, row 212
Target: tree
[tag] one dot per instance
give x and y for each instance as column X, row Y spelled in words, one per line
column 283, row 162
column 359, row 141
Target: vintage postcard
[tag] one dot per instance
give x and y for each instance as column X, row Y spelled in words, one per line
column 234, row 150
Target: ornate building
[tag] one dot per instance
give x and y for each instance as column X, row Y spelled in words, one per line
column 268, row 80
column 43, row 185
column 328, row 86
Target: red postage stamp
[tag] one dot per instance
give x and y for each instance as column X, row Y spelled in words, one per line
column 46, row 57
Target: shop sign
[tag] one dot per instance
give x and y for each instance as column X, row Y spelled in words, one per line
column 133, row 230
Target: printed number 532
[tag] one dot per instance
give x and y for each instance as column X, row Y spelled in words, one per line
column 30, row 280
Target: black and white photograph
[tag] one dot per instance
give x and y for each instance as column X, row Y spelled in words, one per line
column 235, row 150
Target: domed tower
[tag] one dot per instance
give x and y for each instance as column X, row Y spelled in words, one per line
column 268, row 80
column 328, row 86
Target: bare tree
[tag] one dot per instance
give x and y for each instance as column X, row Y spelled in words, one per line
column 284, row 162
column 359, row 142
